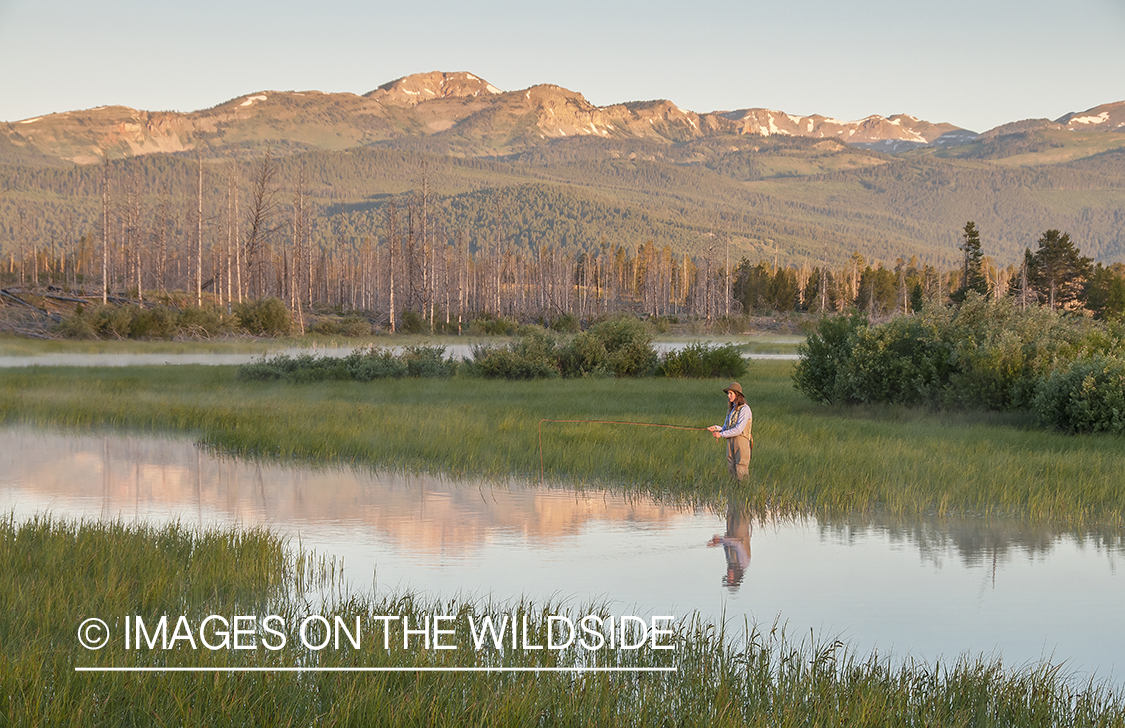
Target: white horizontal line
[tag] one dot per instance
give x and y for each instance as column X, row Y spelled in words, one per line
column 376, row 669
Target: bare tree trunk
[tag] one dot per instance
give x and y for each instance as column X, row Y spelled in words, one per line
column 462, row 263
column 105, row 232
column 199, row 232
column 136, row 232
column 261, row 217
column 726, row 279
column 237, row 246
column 392, row 242
column 298, row 235
column 232, row 225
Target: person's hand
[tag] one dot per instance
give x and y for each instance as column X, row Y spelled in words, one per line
column 714, row 428
column 716, row 434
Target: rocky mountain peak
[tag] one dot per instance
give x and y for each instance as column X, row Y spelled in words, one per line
column 420, row 87
column 1021, row 127
column 1107, row 117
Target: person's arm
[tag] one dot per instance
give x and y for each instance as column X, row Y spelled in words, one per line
column 742, row 421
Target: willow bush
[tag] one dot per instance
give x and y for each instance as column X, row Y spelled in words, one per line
column 700, row 361
column 990, row 355
column 362, row 365
column 1087, row 396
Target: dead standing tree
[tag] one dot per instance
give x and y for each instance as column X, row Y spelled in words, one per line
column 105, row 231
column 199, row 230
column 260, row 223
column 390, row 213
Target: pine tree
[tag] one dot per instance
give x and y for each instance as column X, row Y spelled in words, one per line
column 972, row 272
column 1058, row 270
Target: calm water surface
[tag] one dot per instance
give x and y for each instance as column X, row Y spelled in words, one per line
column 925, row 588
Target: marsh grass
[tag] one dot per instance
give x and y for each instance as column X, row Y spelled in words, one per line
column 11, row 345
column 229, row 344
column 55, row 574
column 808, row 457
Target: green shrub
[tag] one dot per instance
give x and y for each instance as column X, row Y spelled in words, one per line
column 903, row 361
column 265, row 317
column 487, row 325
column 566, row 323
column 620, row 347
column 79, row 325
column 114, row 322
column 134, row 322
column 160, row 322
column 427, row 361
column 313, row 368
column 349, row 326
column 660, row 325
column 825, row 357
column 1087, row 396
column 982, row 355
column 584, row 356
column 1000, row 352
column 412, row 323
column 533, row 356
column 628, row 346
column 201, row 322
column 265, row 370
column 356, row 326
column 325, row 327
column 365, row 365
column 701, row 361
column 300, row 369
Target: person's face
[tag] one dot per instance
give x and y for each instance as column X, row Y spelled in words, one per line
column 730, row 395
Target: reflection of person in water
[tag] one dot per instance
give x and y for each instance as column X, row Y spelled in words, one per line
column 736, row 546
column 736, row 431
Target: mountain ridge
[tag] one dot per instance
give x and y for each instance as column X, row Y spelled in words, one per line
column 461, row 110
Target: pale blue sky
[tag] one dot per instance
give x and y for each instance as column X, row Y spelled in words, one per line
column 976, row 64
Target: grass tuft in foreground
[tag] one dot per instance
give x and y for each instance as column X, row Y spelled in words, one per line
column 54, row 575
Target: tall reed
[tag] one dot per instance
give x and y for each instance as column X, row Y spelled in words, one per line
column 55, row 574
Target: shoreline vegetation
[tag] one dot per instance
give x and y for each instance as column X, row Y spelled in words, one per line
column 613, row 348
column 810, row 458
column 982, row 355
column 757, row 342
column 55, row 574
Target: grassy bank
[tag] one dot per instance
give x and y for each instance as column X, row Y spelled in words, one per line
column 55, row 575
column 19, row 346
column 10, row 345
column 808, row 457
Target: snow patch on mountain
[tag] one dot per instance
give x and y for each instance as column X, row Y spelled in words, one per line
column 1099, row 119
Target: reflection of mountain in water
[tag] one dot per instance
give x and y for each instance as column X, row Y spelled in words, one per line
column 976, row 541
column 129, row 476
column 133, row 476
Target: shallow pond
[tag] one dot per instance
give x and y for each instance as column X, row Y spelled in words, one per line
column 925, row 588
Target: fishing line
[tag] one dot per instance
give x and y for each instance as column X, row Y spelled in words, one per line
column 601, row 422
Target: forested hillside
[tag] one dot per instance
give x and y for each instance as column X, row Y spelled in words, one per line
column 786, row 200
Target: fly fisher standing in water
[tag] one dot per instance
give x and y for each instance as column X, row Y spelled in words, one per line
column 736, row 431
